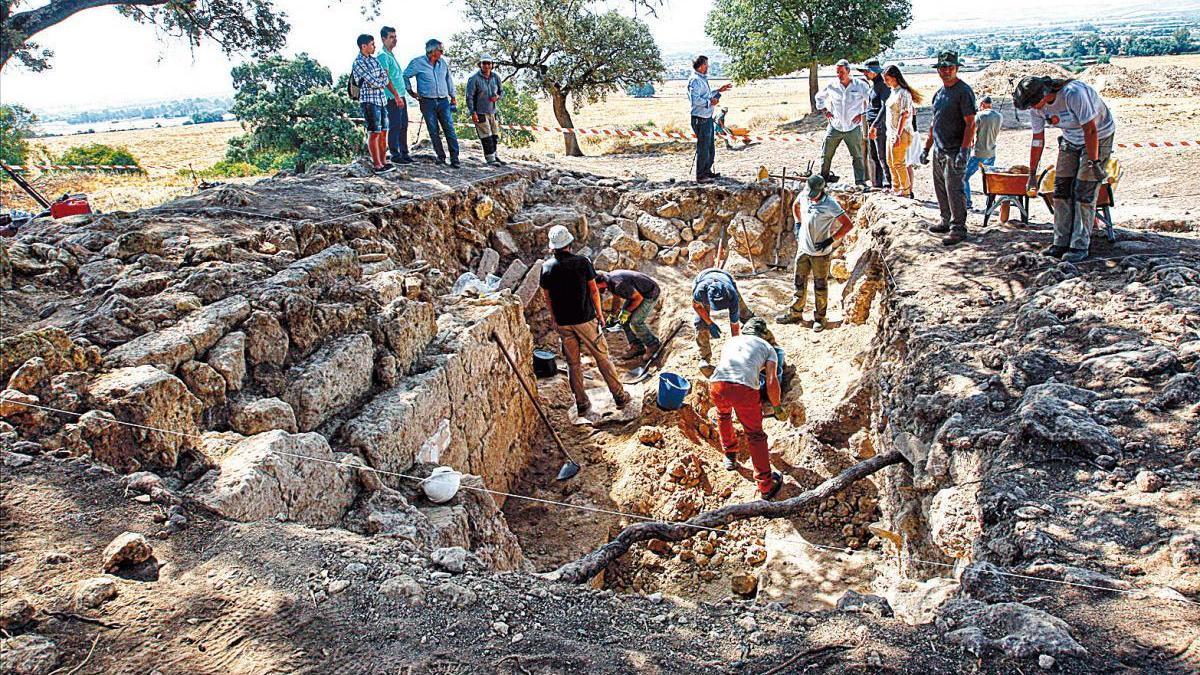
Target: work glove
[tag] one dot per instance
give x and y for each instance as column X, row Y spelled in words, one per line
column 1093, row 171
column 961, row 159
column 612, row 322
column 925, row 156
column 623, row 319
column 1031, row 187
column 824, row 243
column 779, row 413
column 714, row 330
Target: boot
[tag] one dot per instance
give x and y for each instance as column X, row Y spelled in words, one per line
column 774, row 491
column 1055, row 251
column 789, row 317
column 1075, row 255
column 730, row 463
column 956, row 236
column 635, row 350
column 818, row 324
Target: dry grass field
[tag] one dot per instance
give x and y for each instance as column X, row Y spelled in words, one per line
column 773, row 106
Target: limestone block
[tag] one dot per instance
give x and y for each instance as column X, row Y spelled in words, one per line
column 329, row 380
column 266, row 341
column 648, row 250
column 319, row 270
column 149, row 397
column 504, row 243
column 658, row 230
column 267, row 475
column 626, row 245
column 700, row 253
column 669, row 210
column 956, row 520
column 195, row 334
column 385, row 286
column 132, row 244
column 205, row 383
column 669, row 256
column 52, row 345
column 406, row 327
column 262, row 415
column 228, row 357
column 31, row 376
column 513, row 275
column 1058, row 414
column 489, row 262
column 606, row 259
column 748, row 235
column 530, row 284
column 769, row 211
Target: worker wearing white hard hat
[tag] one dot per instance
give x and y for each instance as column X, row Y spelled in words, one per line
column 568, row 284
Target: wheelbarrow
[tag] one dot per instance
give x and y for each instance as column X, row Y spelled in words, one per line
column 1004, row 189
column 1105, row 198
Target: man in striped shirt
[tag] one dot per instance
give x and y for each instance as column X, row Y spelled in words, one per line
column 373, row 85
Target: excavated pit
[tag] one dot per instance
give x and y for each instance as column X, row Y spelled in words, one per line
column 299, row 333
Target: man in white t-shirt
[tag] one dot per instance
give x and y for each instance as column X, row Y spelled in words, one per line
column 734, row 387
column 820, row 221
column 1088, row 129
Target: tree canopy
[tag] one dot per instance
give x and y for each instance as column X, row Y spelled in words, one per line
column 767, row 38
column 567, row 49
column 292, row 113
column 16, row 126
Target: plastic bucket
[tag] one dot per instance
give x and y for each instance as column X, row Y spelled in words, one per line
column 672, row 389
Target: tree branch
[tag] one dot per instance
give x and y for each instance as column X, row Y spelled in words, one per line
column 583, row 569
column 34, row 21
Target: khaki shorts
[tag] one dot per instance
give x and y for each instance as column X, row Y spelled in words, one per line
column 487, row 126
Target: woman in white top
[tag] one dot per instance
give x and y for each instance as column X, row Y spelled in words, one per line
column 901, row 128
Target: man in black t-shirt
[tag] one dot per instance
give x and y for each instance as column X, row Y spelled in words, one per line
column 951, row 136
column 640, row 294
column 568, row 283
column 877, row 147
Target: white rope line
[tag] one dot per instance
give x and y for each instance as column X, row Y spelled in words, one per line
column 632, row 516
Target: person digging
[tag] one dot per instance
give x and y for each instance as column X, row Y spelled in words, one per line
column 714, row 290
column 735, row 388
column 820, row 222
column 639, row 293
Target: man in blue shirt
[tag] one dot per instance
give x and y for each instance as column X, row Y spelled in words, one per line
column 703, row 100
column 715, row 290
column 435, row 91
column 397, row 108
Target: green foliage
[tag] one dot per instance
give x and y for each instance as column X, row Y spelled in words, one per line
column 767, row 38
column 568, row 50
column 293, row 113
column 207, row 117
column 224, row 169
column 16, row 126
column 514, row 107
column 98, row 153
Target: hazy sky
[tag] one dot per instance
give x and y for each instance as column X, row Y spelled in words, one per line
column 103, row 59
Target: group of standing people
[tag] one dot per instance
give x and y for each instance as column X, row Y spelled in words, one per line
column 875, row 118
column 381, row 84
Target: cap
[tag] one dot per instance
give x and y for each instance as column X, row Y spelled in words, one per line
column 986, row 99
column 872, row 65
column 1029, row 91
column 842, row 62
column 432, row 44
column 947, row 59
column 816, row 185
column 560, row 237
column 486, row 58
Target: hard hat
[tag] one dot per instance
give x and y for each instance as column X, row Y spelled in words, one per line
column 1029, row 91
column 816, row 185
column 487, row 58
column 442, row 484
column 560, row 237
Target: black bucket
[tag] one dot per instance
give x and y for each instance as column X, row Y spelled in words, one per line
column 545, row 363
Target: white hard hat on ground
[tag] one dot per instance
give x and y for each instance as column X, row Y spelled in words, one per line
column 560, row 237
column 442, row 484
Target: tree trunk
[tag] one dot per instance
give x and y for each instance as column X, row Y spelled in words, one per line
column 563, row 114
column 812, row 86
column 583, row 569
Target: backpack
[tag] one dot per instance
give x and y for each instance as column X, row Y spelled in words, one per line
column 353, row 88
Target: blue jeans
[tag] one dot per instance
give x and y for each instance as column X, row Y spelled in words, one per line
column 973, row 165
column 375, row 117
column 436, row 112
column 706, row 149
column 397, row 130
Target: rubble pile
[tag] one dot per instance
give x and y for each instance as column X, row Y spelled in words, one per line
column 1001, row 77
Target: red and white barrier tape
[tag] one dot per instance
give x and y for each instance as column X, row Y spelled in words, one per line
column 88, row 167
column 1161, row 144
column 669, row 135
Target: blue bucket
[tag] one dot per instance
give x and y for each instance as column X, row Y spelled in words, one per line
column 672, row 389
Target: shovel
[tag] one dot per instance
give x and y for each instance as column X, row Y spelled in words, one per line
column 642, row 372
column 570, row 468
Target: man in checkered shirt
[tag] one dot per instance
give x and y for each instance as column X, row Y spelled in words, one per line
column 373, row 83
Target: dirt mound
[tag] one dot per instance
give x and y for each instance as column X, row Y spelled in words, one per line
column 1119, row 82
column 999, row 78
